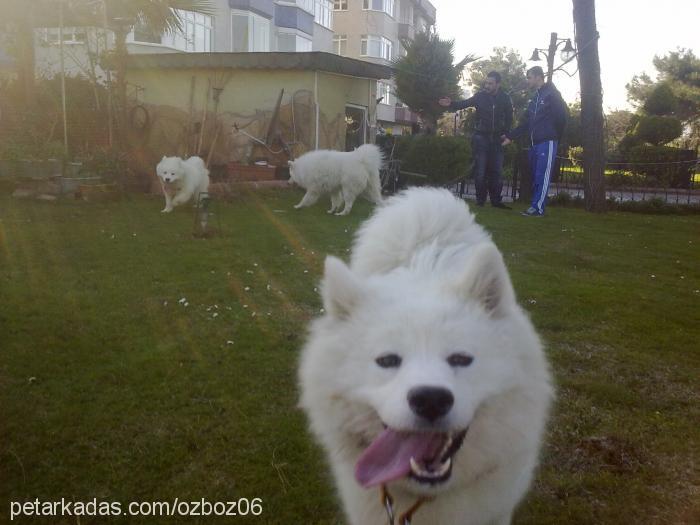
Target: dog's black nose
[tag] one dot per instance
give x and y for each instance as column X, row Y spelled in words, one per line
column 430, row 402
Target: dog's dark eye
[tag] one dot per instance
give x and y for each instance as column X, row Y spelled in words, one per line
column 460, row 360
column 388, row 361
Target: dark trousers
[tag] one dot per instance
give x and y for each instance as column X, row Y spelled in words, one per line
column 487, row 152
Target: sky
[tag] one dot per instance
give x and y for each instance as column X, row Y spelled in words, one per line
column 631, row 33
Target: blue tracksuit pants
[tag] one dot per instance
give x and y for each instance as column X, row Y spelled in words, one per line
column 542, row 157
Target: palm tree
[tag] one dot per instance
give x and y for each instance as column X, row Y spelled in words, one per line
column 158, row 16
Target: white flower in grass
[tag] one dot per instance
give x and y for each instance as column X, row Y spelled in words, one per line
column 229, row 342
column 247, row 288
column 182, row 301
column 215, row 315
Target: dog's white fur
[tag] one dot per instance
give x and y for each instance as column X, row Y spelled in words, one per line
column 426, row 281
column 343, row 175
column 181, row 180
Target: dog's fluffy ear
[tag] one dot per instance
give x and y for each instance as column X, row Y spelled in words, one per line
column 341, row 289
column 290, row 163
column 164, row 157
column 485, row 280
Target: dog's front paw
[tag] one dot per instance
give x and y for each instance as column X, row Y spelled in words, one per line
column 297, row 206
column 166, row 210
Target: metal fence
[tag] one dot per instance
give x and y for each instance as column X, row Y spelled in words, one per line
column 672, row 182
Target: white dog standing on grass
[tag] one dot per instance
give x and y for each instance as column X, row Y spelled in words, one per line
column 181, row 180
column 342, row 175
column 424, row 379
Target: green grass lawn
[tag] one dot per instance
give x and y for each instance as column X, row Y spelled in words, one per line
column 140, row 364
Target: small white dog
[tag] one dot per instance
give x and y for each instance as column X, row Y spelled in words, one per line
column 343, row 175
column 182, row 179
column 424, row 378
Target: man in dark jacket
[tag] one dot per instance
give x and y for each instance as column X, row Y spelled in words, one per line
column 544, row 123
column 494, row 117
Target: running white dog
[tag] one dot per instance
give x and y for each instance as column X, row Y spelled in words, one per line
column 424, row 378
column 343, row 175
column 182, row 179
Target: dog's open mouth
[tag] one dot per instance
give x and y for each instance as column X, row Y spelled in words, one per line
column 425, row 457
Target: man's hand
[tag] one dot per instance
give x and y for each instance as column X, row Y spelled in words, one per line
column 445, row 102
column 505, row 140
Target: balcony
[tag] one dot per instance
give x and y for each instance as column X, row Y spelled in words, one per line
column 405, row 116
column 265, row 8
column 406, row 31
column 427, row 10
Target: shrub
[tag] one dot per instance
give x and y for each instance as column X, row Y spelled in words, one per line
column 658, row 130
column 662, row 165
column 441, row 159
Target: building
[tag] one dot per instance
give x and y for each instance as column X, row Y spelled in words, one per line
column 235, row 26
column 372, row 30
column 241, row 107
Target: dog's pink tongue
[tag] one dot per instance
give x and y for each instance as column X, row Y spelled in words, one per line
column 389, row 456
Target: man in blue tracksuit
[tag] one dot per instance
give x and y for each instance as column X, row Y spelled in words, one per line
column 494, row 116
column 544, row 122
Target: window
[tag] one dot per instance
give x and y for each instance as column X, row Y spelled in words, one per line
column 323, row 14
column 195, row 34
column 71, row 35
column 387, row 6
column 340, row 5
column 292, row 42
column 385, row 93
column 306, row 5
column 340, row 45
column 249, row 32
column 376, row 46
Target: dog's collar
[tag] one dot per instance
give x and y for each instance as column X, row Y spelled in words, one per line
column 388, row 504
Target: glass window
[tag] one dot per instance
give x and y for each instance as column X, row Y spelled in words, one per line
column 340, row 5
column 71, row 35
column 376, row 46
column 384, row 93
column 249, row 32
column 340, row 45
column 323, row 14
column 387, row 6
column 195, row 34
column 306, row 5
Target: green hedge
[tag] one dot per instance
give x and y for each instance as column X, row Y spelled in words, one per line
column 440, row 159
column 665, row 165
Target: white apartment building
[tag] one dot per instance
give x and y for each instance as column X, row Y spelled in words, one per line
column 236, row 26
column 373, row 30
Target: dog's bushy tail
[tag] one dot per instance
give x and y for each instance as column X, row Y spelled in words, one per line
column 371, row 156
column 408, row 222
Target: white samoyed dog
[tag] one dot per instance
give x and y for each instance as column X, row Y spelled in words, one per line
column 181, row 180
column 343, row 175
column 424, row 379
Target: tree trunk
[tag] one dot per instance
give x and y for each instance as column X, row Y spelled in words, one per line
column 121, row 55
column 25, row 58
column 591, row 105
